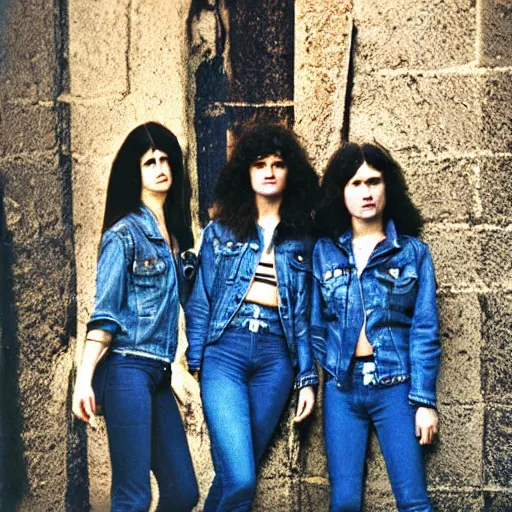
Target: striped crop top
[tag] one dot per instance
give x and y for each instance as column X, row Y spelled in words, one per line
column 266, row 273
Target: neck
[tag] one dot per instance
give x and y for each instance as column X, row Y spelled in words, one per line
column 370, row 228
column 155, row 202
column 268, row 209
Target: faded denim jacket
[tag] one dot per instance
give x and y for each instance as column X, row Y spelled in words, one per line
column 137, row 288
column 396, row 293
column 226, row 270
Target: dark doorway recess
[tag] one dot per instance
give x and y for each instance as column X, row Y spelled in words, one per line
column 250, row 79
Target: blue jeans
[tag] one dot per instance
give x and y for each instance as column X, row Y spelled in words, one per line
column 246, row 379
column 347, row 417
column 145, row 433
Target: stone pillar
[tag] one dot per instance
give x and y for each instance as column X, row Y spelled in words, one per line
column 494, row 58
column 323, row 41
column 427, row 86
column 38, row 270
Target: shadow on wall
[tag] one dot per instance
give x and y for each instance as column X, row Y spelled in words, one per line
column 12, row 466
column 4, row 4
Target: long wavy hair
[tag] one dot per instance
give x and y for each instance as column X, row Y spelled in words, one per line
column 332, row 217
column 125, row 184
column 234, row 198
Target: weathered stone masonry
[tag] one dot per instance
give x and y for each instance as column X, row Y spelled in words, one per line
column 431, row 80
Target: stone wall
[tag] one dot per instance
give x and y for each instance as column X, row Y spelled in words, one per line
column 38, row 309
column 432, row 83
column 429, row 80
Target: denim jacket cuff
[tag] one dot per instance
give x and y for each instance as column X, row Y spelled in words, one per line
column 194, row 363
column 422, row 401
column 103, row 316
column 310, row 379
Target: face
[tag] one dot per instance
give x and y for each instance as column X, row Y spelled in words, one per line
column 365, row 194
column 155, row 171
column 268, row 176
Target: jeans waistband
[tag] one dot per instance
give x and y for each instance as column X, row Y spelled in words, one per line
column 256, row 317
column 366, row 370
column 143, row 358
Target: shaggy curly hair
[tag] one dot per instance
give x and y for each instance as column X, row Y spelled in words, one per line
column 332, row 218
column 234, row 199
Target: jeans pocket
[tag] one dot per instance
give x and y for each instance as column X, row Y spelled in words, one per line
column 99, row 381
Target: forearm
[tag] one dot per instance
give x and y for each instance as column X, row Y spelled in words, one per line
column 96, row 345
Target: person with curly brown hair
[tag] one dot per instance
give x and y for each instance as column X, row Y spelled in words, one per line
column 248, row 315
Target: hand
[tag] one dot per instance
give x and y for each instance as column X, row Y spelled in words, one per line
column 305, row 403
column 84, row 402
column 426, row 424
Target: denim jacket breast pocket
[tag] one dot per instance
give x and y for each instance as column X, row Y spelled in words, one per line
column 400, row 285
column 227, row 260
column 149, row 279
column 335, row 288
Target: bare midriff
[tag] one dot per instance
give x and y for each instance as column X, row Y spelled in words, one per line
column 362, row 254
column 263, row 289
column 363, row 347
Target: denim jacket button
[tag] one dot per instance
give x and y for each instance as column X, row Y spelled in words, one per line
column 229, row 244
column 254, row 246
column 300, row 258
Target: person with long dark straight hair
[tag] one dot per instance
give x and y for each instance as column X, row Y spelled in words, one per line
column 248, row 315
column 132, row 333
column 374, row 326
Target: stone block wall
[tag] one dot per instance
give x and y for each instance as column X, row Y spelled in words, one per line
column 431, row 83
column 40, row 446
column 429, row 80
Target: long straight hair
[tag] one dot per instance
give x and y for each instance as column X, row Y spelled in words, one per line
column 125, row 183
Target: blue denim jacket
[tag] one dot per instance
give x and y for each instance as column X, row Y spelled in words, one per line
column 226, row 270
column 137, row 290
column 396, row 292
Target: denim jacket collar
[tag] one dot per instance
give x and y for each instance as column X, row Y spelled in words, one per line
column 389, row 244
column 149, row 223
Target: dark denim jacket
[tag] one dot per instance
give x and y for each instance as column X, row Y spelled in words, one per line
column 226, row 270
column 137, row 289
column 397, row 293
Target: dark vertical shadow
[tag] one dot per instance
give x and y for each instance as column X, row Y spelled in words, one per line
column 77, row 483
column 258, row 89
column 77, row 488
column 210, row 122
column 345, row 129
column 4, row 4
column 13, row 477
